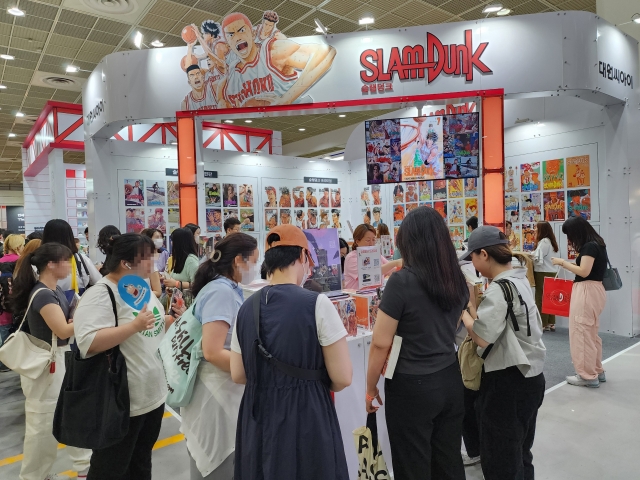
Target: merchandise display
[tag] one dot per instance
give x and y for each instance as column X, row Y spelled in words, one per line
column 367, row 308
column 346, row 308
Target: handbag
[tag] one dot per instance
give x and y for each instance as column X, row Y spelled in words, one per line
column 27, row 355
column 470, row 364
column 93, row 407
column 181, row 352
column 556, row 296
column 611, row 280
column 371, row 462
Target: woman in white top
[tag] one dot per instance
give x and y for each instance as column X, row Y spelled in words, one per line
column 138, row 334
column 83, row 271
column 209, row 421
column 546, row 248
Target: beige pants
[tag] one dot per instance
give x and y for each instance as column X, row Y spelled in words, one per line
column 587, row 303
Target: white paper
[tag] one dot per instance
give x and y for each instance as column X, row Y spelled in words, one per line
column 369, row 267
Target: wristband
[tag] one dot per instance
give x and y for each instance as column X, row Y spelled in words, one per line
column 369, row 397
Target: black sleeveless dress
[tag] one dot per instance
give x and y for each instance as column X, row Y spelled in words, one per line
column 287, row 428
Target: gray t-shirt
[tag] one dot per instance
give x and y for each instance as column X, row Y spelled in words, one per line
column 37, row 325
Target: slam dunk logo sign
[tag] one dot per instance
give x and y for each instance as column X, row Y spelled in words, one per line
column 417, row 62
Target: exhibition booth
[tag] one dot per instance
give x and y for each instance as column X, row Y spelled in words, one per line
column 554, row 96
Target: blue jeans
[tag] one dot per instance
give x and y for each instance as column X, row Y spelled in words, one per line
column 4, row 333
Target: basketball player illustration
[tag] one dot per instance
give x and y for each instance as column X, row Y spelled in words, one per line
column 202, row 93
column 275, row 72
column 268, row 29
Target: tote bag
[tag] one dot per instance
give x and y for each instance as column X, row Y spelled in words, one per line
column 93, row 408
column 556, row 296
column 371, row 462
column 27, row 355
column 181, row 352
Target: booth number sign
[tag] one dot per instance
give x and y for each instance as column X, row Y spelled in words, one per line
column 332, row 181
column 173, row 172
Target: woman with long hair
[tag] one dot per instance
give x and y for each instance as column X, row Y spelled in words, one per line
column 588, row 299
column 364, row 236
column 48, row 313
column 546, row 245
column 83, row 273
column 139, row 332
column 104, row 238
column 183, row 263
column 154, row 280
column 30, row 247
column 209, row 421
column 422, row 304
column 13, row 248
column 509, row 337
column 344, row 251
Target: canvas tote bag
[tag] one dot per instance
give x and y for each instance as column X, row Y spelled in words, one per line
column 371, row 462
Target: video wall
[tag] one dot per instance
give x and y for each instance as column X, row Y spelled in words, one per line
column 422, row 148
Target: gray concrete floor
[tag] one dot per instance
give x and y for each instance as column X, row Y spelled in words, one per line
column 582, row 434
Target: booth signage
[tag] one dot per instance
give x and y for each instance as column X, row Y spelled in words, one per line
column 173, row 172
column 15, row 219
column 95, row 112
column 210, row 174
column 331, row 181
column 611, row 73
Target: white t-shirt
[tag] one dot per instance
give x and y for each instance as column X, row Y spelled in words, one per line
column 84, row 280
column 147, row 383
column 328, row 323
column 542, row 257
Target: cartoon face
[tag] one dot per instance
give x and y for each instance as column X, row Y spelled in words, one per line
column 271, row 195
column 335, row 218
column 239, row 36
column 285, row 218
column 267, row 28
column 196, row 79
column 273, row 222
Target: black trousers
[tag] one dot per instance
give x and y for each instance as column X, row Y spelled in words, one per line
column 424, row 420
column 508, row 408
column 129, row 459
column 470, row 429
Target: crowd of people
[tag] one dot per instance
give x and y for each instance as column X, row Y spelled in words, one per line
column 269, row 364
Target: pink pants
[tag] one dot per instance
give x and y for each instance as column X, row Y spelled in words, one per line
column 587, row 303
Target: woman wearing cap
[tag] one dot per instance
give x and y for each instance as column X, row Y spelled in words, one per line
column 512, row 387
column 364, row 236
column 304, row 333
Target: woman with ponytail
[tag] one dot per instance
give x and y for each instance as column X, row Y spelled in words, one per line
column 209, row 424
column 48, row 312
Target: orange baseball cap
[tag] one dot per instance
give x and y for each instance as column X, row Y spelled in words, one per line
column 290, row 236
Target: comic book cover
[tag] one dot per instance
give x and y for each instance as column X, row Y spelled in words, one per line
column 156, row 193
column 530, row 177
column 229, row 195
column 425, row 191
column 173, row 194
column 312, row 219
column 213, row 195
column 174, row 215
column 214, row 219
column 300, row 219
column 440, row 190
column 554, row 204
column 271, row 197
column 365, row 197
column 412, row 192
column 455, row 188
column 156, row 219
column 336, row 198
column 298, row 197
column 285, row 197
column 134, row 193
column 245, row 192
column 441, row 208
column 398, row 215
column 311, row 198
column 512, row 208
column 531, row 207
column 398, row 194
column 456, row 212
column 471, row 187
column 553, row 174
column 470, row 208
column 324, row 218
column 578, row 172
column 325, row 197
column 346, row 308
column 135, row 220
column 285, row 216
column 511, row 180
column 528, row 237
column 248, row 219
column 422, row 148
column 515, row 239
column 579, row 203
column 457, row 236
column 270, row 218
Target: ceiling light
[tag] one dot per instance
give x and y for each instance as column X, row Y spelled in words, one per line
column 174, row 143
column 5, row 56
column 312, row 161
column 157, row 44
column 228, row 121
column 366, row 21
column 15, row 11
column 19, row 114
column 72, row 69
column 248, row 121
column 493, row 8
column 503, row 12
column 635, row 18
column 342, row 115
column 321, row 28
column 302, row 129
column 137, row 40
column 2, row 87
column 11, row 135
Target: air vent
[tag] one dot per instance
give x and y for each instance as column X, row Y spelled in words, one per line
column 59, row 82
column 522, row 120
column 113, row 7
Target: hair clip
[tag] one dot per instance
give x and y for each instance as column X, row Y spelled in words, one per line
column 215, row 259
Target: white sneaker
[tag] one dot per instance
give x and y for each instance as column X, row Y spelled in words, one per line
column 468, row 461
column 56, row 477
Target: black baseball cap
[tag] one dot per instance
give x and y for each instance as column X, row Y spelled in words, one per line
column 483, row 237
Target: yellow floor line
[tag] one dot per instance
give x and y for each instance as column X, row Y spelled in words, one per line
column 18, row 458
column 167, row 415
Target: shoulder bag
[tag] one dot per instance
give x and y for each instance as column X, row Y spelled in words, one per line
column 93, row 407
column 27, row 355
column 611, row 280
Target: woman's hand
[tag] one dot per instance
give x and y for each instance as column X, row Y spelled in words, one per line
column 170, row 282
column 558, row 261
column 178, row 310
column 145, row 320
column 370, row 397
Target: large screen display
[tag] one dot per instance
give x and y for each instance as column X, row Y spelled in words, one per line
column 422, row 148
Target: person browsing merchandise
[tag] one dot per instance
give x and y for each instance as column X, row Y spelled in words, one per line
column 546, row 246
column 232, row 225
column 364, row 236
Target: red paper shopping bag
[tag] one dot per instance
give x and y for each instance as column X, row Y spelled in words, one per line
column 556, row 296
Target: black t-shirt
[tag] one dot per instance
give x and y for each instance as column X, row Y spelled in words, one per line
column 599, row 253
column 37, row 325
column 428, row 333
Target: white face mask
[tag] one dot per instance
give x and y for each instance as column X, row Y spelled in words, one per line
column 158, row 243
column 249, row 275
column 305, row 272
column 197, row 237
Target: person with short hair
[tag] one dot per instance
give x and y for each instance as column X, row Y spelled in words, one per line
column 301, row 329
column 232, row 225
column 472, row 224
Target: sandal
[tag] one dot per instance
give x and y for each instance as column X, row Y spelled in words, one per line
column 552, row 328
column 546, row 329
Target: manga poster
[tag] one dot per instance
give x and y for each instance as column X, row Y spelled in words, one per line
column 300, row 219
column 512, row 208
column 554, row 204
column 471, row 187
column 134, row 193
column 134, row 220
column 455, row 188
column 285, row 216
column 579, row 203
column 156, row 193
column 530, row 177
column 324, row 218
column 298, row 197
column 422, row 148
column 365, row 197
column 425, row 191
column 412, row 192
column 311, row 199
column 230, row 195
column 245, row 192
column 531, row 207
column 553, row 174
column 325, row 197
column 528, row 237
column 173, row 193
column 156, row 219
column 229, row 213
column 271, row 197
column 174, row 215
column 426, row 204
column 270, row 219
column 346, row 308
column 515, row 239
column 440, row 190
column 578, row 172
column 398, row 194
column 336, row 197
column 457, row 236
column 383, row 145
column 456, row 212
column 213, row 196
column 377, row 220
column 470, row 208
column 411, row 206
column 398, row 215
column 324, row 248
column 248, row 220
column 511, row 180
column 335, row 218
column 214, row 220
column 441, row 208
column 461, row 145
column 367, row 218
column 312, row 219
